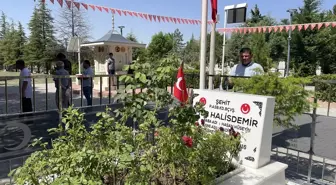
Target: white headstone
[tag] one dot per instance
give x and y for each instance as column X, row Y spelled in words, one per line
column 282, row 65
column 250, row 115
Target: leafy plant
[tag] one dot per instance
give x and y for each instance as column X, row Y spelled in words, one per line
column 291, row 98
column 131, row 145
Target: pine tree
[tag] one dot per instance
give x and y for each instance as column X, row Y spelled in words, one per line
column 42, row 44
column 178, row 44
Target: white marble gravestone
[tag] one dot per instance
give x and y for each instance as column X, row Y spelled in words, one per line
column 250, row 115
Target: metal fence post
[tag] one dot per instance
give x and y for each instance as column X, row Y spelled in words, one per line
column 312, row 138
column 6, row 95
column 59, row 100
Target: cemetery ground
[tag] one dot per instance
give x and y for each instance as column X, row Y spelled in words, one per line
column 295, row 140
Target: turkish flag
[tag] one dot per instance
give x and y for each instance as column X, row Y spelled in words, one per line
column 180, row 88
column 214, row 10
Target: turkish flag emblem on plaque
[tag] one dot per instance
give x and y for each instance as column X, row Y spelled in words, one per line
column 245, row 108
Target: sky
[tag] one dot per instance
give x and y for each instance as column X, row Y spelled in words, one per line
column 101, row 22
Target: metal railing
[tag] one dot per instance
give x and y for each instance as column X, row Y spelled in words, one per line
column 43, row 90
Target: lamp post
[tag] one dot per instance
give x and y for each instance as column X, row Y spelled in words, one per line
column 291, row 12
column 121, row 29
column 233, row 13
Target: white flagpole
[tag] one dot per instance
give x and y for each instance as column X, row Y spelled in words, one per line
column 203, row 43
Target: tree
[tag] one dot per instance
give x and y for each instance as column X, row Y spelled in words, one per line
column 42, row 44
column 160, row 45
column 73, row 22
column 178, row 43
column 191, row 52
column 218, row 47
column 137, row 52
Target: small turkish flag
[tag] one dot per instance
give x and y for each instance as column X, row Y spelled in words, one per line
column 214, row 10
column 180, row 88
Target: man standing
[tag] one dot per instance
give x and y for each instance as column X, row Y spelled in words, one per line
column 247, row 67
column 110, row 67
column 67, row 63
column 25, row 86
column 87, row 82
column 64, row 83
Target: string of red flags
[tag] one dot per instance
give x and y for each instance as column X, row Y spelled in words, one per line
column 121, row 12
column 278, row 28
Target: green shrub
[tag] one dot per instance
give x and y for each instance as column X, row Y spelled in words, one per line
column 112, row 153
column 290, row 95
column 325, row 91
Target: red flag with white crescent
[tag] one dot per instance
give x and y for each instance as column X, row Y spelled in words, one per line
column 214, row 10
column 180, row 88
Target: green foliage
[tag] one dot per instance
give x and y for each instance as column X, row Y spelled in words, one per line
column 42, row 46
column 160, row 45
column 325, row 90
column 291, row 99
column 151, row 152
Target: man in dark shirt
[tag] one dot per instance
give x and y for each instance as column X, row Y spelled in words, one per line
column 67, row 63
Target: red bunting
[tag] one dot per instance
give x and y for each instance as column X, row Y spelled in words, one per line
column 130, row 13
column 119, row 11
column 167, row 19
column 77, row 5
column 145, row 16
column 60, row 2
column 159, row 19
column 136, row 14
column 334, row 24
column 141, row 15
column 99, row 8
column 52, row 1
column 306, row 26
column 300, row 27
column 124, row 11
column 69, row 3
column 93, row 7
column 154, row 17
column 319, row 25
column 150, row 17
column 112, row 10
column 85, row 6
column 106, row 10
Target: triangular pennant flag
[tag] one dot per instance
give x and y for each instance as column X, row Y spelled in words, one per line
column 154, row 18
column 135, row 14
column 254, row 29
column 99, row 8
column 182, row 20
column 77, row 5
column 287, row 28
column 119, row 12
column 174, row 20
column 163, row 19
column 319, row 25
column 259, row 29
column 190, row 21
column 275, row 29
column 106, row 10
column 93, row 7
column 52, row 1
column 85, row 6
column 42, row 1
column 125, row 12
column 150, row 17
column 171, row 19
column 241, row 30
column 326, row 24
column 312, row 26
column 158, row 18
column 264, row 29
column 293, row 27
column 281, row 28
column 145, row 16
column 199, row 22
column 333, row 24
column 245, row 30
column 306, row 26
column 112, row 10
column 69, row 3
column 141, row 15
column 60, row 2
column 179, row 20
column 167, row 19
column 300, row 26
column 130, row 13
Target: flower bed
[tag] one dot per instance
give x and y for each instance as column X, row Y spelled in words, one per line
column 112, row 153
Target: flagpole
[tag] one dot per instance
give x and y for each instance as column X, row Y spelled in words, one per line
column 203, row 43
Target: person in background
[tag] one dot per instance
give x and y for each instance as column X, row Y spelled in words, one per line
column 64, row 84
column 67, row 63
column 110, row 67
column 246, row 67
column 87, row 82
column 25, row 86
